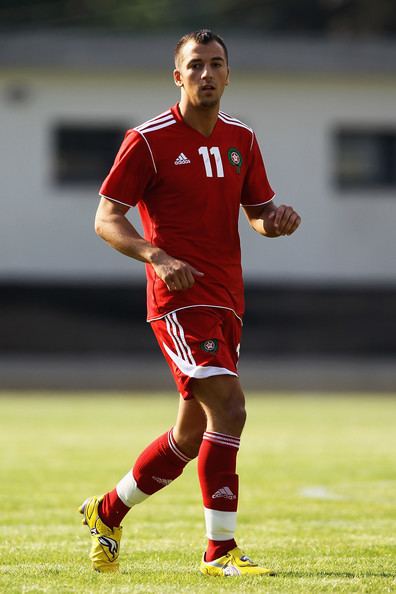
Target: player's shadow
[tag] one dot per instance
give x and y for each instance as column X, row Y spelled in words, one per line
column 336, row 574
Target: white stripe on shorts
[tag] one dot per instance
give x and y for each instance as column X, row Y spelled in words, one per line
column 175, row 341
column 177, row 334
column 196, row 371
column 183, row 339
column 172, row 331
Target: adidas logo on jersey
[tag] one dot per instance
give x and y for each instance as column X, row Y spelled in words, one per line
column 224, row 492
column 182, row 160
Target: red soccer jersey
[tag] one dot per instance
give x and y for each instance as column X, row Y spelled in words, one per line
column 188, row 188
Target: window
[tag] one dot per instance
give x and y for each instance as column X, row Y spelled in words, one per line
column 365, row 158
column 84, row 153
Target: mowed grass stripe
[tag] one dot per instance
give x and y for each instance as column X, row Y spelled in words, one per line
column 317, row 495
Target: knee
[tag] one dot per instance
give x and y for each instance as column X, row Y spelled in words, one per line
column 235, row 414
column 223, row 401
column 189, row 443
column 195, row 440
column 230, row 413
column 242, row 415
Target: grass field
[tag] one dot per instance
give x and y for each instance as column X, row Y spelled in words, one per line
column 317, row 495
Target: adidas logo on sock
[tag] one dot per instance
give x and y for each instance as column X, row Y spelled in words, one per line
column 224, row 492
column 182, row 160
column 161, row 481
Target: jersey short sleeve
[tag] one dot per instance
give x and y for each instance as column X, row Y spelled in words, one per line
column 256, row 188
column 132, row 172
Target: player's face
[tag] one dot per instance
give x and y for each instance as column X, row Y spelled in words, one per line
column 202, row 73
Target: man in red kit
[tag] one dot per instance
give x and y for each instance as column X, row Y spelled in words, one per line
column 189, row 170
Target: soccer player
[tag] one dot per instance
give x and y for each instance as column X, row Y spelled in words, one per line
column 189, row 170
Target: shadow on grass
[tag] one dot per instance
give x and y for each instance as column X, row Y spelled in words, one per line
column 335, row 574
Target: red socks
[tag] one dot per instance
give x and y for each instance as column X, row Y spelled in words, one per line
column 161, row 462
column 157, row 466
column 219, row 486
column 112, row 510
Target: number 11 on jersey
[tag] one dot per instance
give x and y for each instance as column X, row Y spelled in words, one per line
column 215, row 152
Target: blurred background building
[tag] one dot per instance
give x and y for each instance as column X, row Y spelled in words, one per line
column 317, row 82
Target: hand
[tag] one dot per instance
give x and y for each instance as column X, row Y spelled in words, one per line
column 283, row 220
column 176, row 274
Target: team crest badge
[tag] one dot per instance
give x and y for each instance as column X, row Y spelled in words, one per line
column 209, row 346
column 235, row 158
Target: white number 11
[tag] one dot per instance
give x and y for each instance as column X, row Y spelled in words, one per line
column 215, row 151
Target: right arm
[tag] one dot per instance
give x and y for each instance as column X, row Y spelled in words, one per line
column 113, row 227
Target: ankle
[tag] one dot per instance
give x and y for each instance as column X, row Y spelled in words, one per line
column 112, row 510
column 218, row 548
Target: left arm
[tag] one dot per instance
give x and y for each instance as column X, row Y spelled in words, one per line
column 271, row 220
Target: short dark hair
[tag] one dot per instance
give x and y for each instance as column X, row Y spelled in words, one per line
column 203, row 36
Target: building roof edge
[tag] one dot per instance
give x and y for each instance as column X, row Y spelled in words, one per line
column 100, row 51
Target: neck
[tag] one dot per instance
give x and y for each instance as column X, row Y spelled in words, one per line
column 202, row 119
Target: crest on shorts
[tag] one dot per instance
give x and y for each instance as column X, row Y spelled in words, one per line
column 209, row 346
column 235, row 158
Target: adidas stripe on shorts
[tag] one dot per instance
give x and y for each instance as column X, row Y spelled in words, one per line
column 199, row 342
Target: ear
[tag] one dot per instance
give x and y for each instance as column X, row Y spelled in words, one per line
column 228, row 77
column 177, row 78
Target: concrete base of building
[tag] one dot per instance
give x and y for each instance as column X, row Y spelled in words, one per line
column 55, row 373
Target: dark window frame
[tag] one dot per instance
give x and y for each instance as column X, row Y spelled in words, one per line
column 381, row 141
column 83, row 152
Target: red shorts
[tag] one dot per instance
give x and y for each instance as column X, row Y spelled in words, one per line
column 199, row 342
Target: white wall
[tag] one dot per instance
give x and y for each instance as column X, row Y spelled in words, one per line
column 343, row 236
column 47, row 232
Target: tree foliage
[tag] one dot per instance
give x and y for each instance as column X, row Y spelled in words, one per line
column 326, row 17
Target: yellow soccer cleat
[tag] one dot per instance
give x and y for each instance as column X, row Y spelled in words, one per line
column 234, row 563
column 105, row 546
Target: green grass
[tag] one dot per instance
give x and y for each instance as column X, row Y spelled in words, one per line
column 317, row 495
